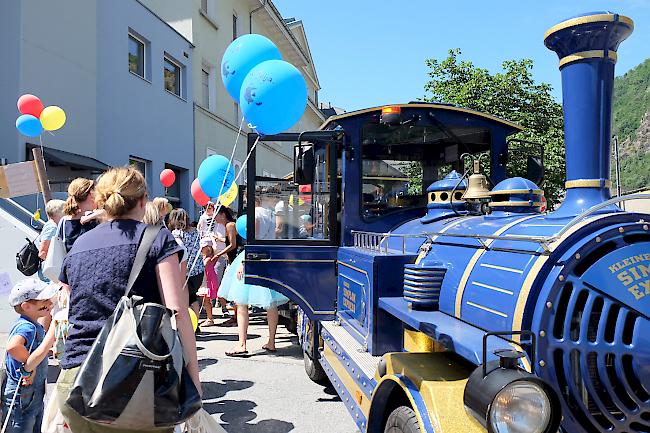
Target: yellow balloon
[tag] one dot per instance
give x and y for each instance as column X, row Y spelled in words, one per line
column 229, row 196
column 52, row 118
column 194, row 319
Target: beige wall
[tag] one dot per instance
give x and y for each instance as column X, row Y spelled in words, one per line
column 216, row 123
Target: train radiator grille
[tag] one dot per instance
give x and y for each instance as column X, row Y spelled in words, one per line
column 600, row 368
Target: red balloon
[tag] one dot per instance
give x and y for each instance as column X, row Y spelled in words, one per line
column 198, row 194
column 167, row 177
column 30, row 104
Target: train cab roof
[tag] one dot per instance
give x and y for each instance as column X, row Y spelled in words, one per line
column 448, row 109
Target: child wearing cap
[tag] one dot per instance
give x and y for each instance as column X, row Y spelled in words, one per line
column 26, row 358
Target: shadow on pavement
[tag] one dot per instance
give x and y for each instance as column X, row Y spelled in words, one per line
column 222, row 337
column 237, row 415
column 329, row 390
column 206, row 362
column 212, row 390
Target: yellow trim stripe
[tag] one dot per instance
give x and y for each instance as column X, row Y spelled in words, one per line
column 347, row 380
column 293, row 261
column 522, row 297
column 608, row 18
column 502, row 268
column 407, row 392
column 452, row 224
column 495, row 288
column 591, row 54
column 475, row 258
column 588, row 183
column 289, row 288
column 423, row 105
column 489, row 310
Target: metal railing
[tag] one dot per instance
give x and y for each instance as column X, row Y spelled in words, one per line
column 379, row 242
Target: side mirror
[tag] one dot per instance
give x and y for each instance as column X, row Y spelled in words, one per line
column 304, row 165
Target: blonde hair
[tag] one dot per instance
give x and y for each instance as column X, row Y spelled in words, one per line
column 151, row 214
column 78, row 192
column 54, row 208
column 160, row 203
column 119, row 190
column 179, row 220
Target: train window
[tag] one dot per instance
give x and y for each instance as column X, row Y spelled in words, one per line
column 286, row 210
column 399, row 162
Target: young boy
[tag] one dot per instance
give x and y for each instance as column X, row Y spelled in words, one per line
column 26, row 359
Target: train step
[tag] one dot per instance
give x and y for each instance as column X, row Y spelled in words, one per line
column 351, row 347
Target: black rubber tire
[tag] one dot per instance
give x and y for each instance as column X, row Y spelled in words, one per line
column 314, row 370
column 402, row 420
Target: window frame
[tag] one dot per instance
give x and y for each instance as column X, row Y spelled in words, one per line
column 457, row 163
column 145, row 163
column 205, row 87
column 140, row 40
column 335, row 237
column 167, row 58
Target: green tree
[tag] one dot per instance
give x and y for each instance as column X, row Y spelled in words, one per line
column 512, row 95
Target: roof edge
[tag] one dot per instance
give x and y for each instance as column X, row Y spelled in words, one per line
column 513, row 125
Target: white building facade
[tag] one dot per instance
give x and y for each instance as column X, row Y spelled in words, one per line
column 211, row 25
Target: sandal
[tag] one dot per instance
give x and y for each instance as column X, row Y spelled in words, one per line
column 237, row 353
column 207, row 323
column 266, row 347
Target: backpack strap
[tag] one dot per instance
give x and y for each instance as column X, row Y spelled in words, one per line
column 149, row 236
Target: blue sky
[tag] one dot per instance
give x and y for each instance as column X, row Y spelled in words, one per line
column 370, row 53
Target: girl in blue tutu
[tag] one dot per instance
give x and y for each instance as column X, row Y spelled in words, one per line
column 234, row 289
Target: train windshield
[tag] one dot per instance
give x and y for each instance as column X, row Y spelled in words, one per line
column 401, row 161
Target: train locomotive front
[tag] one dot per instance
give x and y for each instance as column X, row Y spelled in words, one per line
column 578, row 277
column 453, row 318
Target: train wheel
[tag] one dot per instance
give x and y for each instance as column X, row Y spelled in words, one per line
column 314, row 370
column 402, row 420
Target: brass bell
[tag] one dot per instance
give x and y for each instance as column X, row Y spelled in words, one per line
column 477, row 186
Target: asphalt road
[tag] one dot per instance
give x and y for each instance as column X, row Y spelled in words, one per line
column 265, row 393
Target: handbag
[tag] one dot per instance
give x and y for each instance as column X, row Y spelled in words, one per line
column 134, row 376
column 27, row 260
column 55, row 254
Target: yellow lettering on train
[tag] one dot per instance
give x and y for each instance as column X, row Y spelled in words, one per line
column 635, row 291
column 625, row 278
column 646, row 285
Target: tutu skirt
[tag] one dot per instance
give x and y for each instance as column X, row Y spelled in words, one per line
column 235, row 290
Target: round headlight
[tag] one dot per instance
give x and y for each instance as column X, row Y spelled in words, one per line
column 520, row 407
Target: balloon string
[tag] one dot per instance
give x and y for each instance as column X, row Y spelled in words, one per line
column 223, row 184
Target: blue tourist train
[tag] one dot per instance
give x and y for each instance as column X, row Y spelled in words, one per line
column 437, row 294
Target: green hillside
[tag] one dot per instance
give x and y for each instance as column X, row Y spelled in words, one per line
column 631, row 102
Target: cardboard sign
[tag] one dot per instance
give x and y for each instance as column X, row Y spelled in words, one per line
column 18, row 179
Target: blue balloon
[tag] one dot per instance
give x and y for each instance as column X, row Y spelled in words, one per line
column 240, row 225
column 212, row 172
column 242, row 55
column 273, row 96
column 29, row 125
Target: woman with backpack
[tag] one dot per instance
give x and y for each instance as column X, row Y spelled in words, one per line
column 96, row 272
